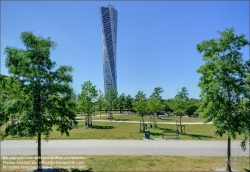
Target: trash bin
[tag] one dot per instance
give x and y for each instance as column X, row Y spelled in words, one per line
column 147, row 134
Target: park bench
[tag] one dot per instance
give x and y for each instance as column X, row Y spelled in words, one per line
column 170, row 133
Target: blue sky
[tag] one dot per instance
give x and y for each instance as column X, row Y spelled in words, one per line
column 156, row 41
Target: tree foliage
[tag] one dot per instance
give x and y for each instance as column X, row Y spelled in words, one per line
column 121, row 102
column 157, row 93
column 183, row 94
column 129, row 101
column 111, row 98
column 224, row 84
column 39, row 96
column 192, row 107
column 180, row 104
column 155, row 100
column 3, row 96
column 140, row 105
column 169, row 106
column 87, row 97
column 100, row 101
column 139, row 95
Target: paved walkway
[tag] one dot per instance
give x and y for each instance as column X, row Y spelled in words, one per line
column 123, row 147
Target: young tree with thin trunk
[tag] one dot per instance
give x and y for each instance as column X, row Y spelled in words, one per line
column 181, row 103
column 100, row 102
column 40, row 96
column 111, row 100
column 155, row 101
column 140, row 106
column 87, row 97
column 224, row 85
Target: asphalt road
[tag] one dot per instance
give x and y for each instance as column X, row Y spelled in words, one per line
column 123, row 147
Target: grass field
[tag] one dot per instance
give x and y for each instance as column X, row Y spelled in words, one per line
column 123, row 131
column 126, row 163
column 120, row 117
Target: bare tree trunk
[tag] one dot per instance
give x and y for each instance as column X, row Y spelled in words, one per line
column 88, row 120
column 143, row 125
column 228, row 169
column 180, row 123
column 110, row 115
column 39, row 160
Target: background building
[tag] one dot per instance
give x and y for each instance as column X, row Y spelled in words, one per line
column 108, row 17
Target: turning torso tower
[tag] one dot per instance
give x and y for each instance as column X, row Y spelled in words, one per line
column 108, row 17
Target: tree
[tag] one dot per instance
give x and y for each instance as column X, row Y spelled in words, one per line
column 6, row 90
column 155, row 100
column 154, row 105
column 139, row 95
column 3, row 96
column 41, row 96
column 181, row 103
column 121, row 103
column 183, row 94
column 100, row 101
column 140, row 106
column 192, row 106
column 169, row 106
column 78, row 108
column 128, row 104
column 111, row 99
column 87, row 97
column 156, row 93
column 224, row 85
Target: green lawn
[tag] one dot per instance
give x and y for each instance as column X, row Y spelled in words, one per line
column 129, row 163
column 193, row 132
column 119, row 117
column 115, row 130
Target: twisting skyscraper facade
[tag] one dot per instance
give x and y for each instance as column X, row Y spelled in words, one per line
column 109, row 36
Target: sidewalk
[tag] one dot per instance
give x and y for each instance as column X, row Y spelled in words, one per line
column 161, row 147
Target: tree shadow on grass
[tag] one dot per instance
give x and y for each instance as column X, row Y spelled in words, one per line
column 155, row 134
column 77, row 170
column 198, row 136
column 120, row 119
column 101, row 127
column 167, row 119
column 160, row 128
